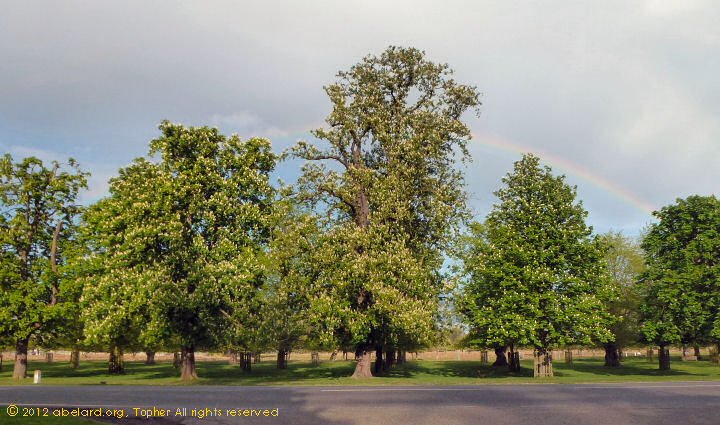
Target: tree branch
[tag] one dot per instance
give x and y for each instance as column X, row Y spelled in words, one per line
column 53, row 261
column 327, row 156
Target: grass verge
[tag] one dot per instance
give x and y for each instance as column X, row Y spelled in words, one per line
column 338, row 373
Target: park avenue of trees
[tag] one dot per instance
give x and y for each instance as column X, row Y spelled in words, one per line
column 194, row 249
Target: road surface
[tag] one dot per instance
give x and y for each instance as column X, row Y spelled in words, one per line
column 657, row 403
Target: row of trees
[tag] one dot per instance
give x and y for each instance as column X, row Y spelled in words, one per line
column 193, row 248
column 535, row 275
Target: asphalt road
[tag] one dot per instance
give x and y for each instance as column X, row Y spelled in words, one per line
column 659, row 403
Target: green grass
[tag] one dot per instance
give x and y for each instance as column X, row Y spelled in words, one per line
column 422, row 372
column 34, row 420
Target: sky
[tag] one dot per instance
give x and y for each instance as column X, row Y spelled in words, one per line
column 621, row 96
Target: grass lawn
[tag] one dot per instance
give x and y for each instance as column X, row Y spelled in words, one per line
column 423, row 372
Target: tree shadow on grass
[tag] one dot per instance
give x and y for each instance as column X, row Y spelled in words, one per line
column 339, row 372
column 627, row 368
column 581, row 369
column 99, row 369
column 456, row 369
column 267, row 373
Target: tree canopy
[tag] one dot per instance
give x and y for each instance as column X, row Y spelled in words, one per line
column 624, row 259
column 392, row 192
column 179, row 242
column 38, row 206
column 683, row 273
column 535, row 275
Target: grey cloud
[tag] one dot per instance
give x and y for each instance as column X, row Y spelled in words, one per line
column 626, row 90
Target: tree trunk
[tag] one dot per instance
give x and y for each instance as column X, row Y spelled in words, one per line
column 514, row 361
column 233, row 358
column 568, row 357
column 187, row 364
column 500, row 359
column 248, row 361
column 664, row 358
column 315, row 358
column 75, row 358
column 20, row 370
column 649, row 355
column 483, row 357
column 257, row 357
column 542, row 363
column 49, row 357
column 379, row 366
column 1, row 359
column 176, row 360
column 696, row 349
column 116, row 364
column 611, row 355
column 714, row 355
column 620, row 355
column 389, row 360
column 282, row 359
column 149, row 358
column 362, row 368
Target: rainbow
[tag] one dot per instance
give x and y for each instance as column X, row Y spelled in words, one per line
column 566, row 166
column 560, row 163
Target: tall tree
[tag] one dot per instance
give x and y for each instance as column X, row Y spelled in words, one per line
column 538, row 277
column 683, row 274
column 66, row 328
column 37, row 216
column 124, row 238
column 471, row 250
column 184, row 236
column 624, row 259
column 291, row 279
column 392, row 194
